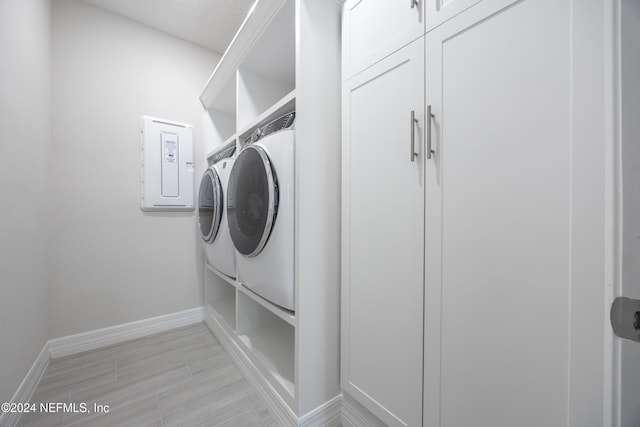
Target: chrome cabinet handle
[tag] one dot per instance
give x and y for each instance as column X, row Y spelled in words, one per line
column 429, row 117
column 414, row 3
column 413, row 135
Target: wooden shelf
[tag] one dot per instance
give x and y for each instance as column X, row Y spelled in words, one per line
column 229, row 280
column 286, row 315
column 274, row 348
column 219, row 127
column 269, row 339
column 220, row 294
column 251, row 30
column 283, row 314
column 224, row 309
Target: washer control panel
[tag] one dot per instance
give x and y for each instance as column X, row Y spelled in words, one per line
column 276, row 125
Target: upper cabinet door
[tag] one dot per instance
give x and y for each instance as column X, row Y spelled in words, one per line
column 373, row 29
column 439, row 11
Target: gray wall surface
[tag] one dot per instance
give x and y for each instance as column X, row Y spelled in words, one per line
column 25, row 123
column 111, row 262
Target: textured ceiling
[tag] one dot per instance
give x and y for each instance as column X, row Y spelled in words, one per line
column 208, row 23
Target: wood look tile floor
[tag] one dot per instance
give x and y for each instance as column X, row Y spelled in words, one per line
column 181, row 377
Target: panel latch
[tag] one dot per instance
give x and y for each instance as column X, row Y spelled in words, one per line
column 625, row 318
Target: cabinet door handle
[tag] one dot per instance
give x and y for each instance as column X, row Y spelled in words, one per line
column 429, row 117
column 414, row 3
column 413, row 135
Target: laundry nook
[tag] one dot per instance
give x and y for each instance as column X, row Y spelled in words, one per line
column 320, row 213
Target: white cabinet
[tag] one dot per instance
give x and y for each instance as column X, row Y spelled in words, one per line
column 373, row 29
column 502, row 238
column 515, row 217
column 439, row 11
column 507, row 220
column 383, row 238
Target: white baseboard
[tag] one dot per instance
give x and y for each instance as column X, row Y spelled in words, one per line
column 342, row 409
column 279, row 408
column 327, row 415
column 92, row 340
column 27, row 387
column 356, row 415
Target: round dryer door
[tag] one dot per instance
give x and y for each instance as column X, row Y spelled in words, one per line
column 252, row 200
column 210, row 205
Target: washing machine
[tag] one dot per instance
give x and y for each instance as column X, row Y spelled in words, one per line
column 260, row 212
column 214, row 229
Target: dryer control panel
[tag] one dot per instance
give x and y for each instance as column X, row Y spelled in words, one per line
column 280, row 123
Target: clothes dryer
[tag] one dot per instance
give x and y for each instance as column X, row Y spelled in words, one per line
column 214, row 229
column 260, row 212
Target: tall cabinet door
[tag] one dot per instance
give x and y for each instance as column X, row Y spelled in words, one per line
column 373, row 29
column 383, row 235
column 515, row 273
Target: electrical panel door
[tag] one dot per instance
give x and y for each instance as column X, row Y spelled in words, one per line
column 167, row 165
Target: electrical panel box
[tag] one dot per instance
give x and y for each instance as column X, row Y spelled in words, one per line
column 167, row 165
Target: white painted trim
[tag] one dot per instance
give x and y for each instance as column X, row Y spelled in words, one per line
column 613, row 203
column 92, row 340
column 328, row 414
column 256, row 22
column 27, row 387
column 356, row 415
column 342, row 409
column 277, row 405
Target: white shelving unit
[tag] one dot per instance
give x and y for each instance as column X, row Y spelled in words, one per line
column 220, row 296
column 220, row 117
column 286, row 57
column 269, row 340
column 285, row 315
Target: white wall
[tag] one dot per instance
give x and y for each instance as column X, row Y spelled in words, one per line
column 111, row 262
column 25, row 122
